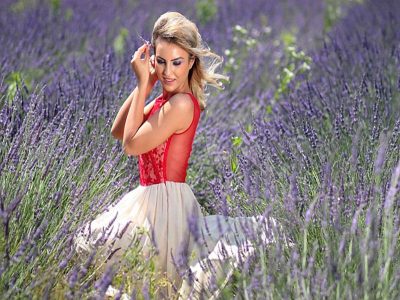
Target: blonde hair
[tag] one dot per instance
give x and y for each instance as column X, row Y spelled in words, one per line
column 176, row 28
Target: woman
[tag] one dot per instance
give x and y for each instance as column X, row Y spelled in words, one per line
column 161, row 135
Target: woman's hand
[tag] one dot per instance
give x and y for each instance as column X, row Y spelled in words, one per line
column 141, row 66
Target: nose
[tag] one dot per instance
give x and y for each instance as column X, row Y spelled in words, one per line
column 167, row 69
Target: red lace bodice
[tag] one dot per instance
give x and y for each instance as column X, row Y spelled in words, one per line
column 169, row 161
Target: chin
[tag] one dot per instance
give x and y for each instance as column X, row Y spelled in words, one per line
column 169, row 88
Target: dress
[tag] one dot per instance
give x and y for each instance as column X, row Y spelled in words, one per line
column 165, row 205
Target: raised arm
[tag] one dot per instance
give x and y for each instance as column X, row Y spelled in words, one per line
column 117, row 129
column 175, row 116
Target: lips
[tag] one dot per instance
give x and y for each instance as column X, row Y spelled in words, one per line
column 168, row 80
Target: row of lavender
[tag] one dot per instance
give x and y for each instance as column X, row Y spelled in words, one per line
column 326, row 162
column 59, row 166
column 82, row 56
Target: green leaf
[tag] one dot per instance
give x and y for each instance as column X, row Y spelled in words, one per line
column 119, row 41
column 288, row 38
column 249, row 128
column 55, row 5
column 234, row 163
column 236, row 141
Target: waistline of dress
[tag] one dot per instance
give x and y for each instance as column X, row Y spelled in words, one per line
column 167, row 182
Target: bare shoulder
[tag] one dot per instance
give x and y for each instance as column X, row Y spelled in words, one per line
column 182, row 110
column 182, row 102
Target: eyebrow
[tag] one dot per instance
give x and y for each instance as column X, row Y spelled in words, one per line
column 171, row 59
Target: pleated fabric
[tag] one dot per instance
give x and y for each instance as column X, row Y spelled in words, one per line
column 193, row 251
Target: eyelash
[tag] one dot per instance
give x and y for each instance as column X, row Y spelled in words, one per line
column 175, row 63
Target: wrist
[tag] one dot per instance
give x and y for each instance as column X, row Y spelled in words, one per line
column 142, row 86
column 150, row 85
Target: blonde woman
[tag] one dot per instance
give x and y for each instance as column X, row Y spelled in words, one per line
column 161, row 135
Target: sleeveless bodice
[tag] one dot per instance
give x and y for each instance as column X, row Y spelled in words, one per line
column 169, row 161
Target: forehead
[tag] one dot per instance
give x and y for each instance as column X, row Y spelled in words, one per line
column 169, row 50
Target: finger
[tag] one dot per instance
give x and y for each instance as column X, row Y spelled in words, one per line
column 147, row 52
column 135, row 55
column 144, row 55
column 139, row 54
column 143, row 47
column 140, row 50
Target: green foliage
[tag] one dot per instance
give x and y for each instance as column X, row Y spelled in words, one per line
column 120, row 40
column 288, row 38
column 138, row 267
column 206, row 10
column 243, row 43
column 236, row 141
column 22, row 5
column 15, row 79
column 295, row 62
column 55, row 5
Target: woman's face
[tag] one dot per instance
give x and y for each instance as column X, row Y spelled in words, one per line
column 172, row 65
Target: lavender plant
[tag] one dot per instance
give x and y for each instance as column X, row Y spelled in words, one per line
column 64, row 68
column 322, row 163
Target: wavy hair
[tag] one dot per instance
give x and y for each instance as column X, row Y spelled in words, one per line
column 176, row 28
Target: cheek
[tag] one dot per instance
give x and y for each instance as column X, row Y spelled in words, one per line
column 182, row 71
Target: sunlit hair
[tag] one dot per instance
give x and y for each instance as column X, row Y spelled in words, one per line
column 175, row 28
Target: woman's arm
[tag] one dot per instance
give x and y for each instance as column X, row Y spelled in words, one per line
column 135, row 114
column 175, row 115
column 117, row 129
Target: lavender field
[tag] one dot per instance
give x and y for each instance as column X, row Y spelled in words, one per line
column 307, row 131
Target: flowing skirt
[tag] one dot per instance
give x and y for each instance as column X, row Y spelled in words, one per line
column 197, row 253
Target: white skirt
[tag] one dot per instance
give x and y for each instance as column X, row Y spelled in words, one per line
column 171, row 214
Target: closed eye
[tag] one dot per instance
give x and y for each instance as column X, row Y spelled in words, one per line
column 175, row 63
